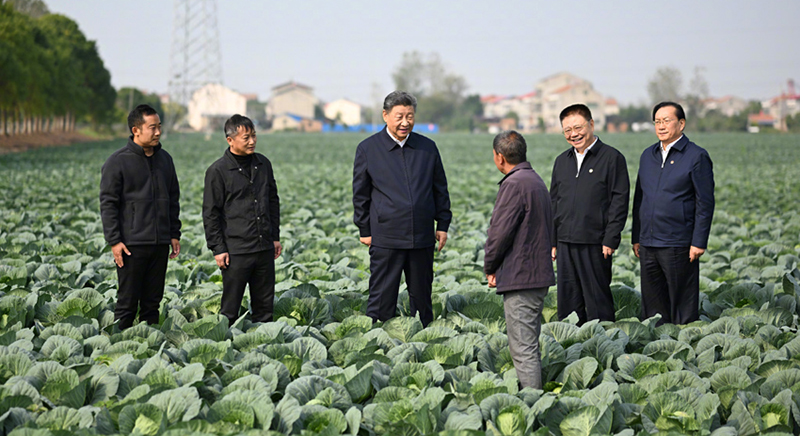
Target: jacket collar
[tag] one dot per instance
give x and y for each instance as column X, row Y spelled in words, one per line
column 389, row 143
column 594, row 150
column 136, row 148
column 520, row 166
column 679, row 146
column 234, row 165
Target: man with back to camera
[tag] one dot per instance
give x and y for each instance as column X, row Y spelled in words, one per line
column 590, row 191
column 241, row 216
column 399, row 189
column 673, row 205
column 517, row 253
column 139, row 207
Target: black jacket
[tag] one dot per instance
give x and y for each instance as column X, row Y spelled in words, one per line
column 139, row 197
column 399, row 191
column 673, row 204
column 241, row 214
column 518, row 240
column 590, row 207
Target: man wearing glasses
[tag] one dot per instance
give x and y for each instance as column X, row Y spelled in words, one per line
column 672, row 209
column 589, row 190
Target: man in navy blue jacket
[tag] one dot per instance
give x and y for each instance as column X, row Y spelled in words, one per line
column 399, row 189
column 672, row 210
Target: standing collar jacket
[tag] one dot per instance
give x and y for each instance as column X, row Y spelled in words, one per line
column 673, row 203
column 518, row 242
column 139, row 197
column 398, row 192
column 241, row 214
column 590, row 206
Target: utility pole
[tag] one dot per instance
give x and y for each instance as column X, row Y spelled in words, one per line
column 195, row 58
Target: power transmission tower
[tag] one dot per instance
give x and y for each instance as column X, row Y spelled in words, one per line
column 195, row 59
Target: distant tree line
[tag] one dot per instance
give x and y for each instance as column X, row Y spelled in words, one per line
column 50, row 75
column 440, row 94
column 667, row 85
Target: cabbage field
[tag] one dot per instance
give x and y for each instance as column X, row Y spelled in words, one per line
column 323, row 368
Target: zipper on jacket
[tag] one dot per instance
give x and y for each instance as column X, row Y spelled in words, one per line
column 658, row 188
column 152, row 163
column 408, row 186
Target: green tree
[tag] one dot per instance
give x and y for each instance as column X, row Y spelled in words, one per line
column 665, row 85
column 49, row 72
column 634, row 114
column 439, row 93
column 31, row 8
column 793, row 123
column 21, row 69
column 698, row 92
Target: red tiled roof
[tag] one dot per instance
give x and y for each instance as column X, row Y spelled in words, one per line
column 760, row 117
column 562, row 89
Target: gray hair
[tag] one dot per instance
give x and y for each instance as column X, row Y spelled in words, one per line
column 511, row 145
column 399, row 98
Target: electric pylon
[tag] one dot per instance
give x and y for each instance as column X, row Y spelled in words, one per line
column 195, row 59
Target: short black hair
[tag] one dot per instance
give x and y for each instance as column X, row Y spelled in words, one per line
column 579, row 108
column 232, row 125
column 399, row 98
column 512, row 146
column 678, row 109
column 136, row 117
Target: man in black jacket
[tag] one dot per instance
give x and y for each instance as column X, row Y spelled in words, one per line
column 517, row 260
column 590, row 191
column 139, row 207
column 242, row 216
column 399, row 189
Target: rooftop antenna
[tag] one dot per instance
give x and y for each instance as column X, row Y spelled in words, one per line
column 195, row 58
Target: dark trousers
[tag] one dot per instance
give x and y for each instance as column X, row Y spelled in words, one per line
column 257, row 270
column 670, row 284
column 386, row 265
column 584, row 279
column 141, row 284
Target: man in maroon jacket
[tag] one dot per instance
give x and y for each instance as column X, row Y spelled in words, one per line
column 517, row 260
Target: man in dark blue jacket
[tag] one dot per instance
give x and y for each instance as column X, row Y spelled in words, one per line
column 517, row 260
column 672, row 210
column 399, row 189
column 139, row 207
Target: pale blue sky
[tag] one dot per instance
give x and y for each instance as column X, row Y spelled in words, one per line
column 748, row 48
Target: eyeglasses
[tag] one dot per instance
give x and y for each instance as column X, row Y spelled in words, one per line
column 665, row 121
column 577, row 129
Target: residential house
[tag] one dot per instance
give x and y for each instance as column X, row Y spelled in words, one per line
column 563, row 89
column 295, row 122
column 785, row 105
column 291, row 98
column 728, row 105
column 212, row 104
column 343, row 111
column 525, row 107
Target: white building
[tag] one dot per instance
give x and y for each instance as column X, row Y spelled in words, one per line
column 214, row 101
column 343, row 111
column 291, row 98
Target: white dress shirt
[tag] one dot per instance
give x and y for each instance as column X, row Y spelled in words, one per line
column 579, row 156
column 665, row 150
column 399, row 142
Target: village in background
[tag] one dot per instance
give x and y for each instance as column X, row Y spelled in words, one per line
column 292, row 106
column 57, row 80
